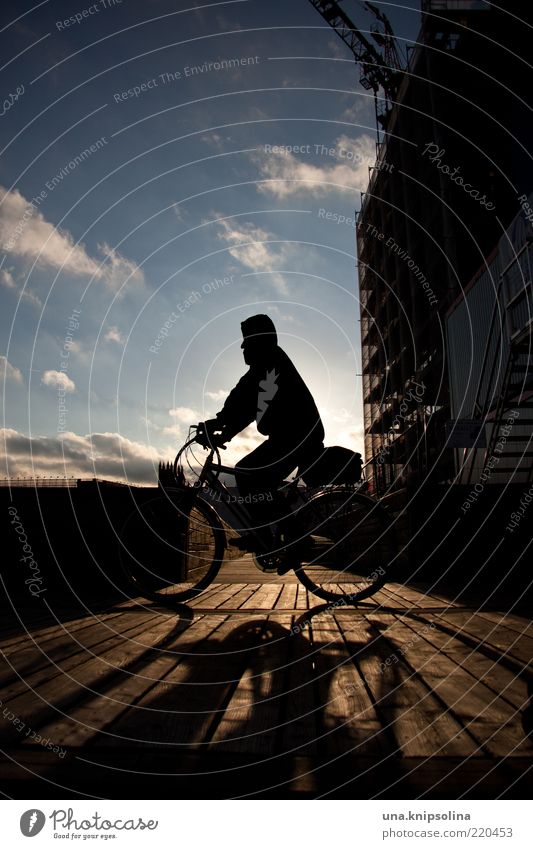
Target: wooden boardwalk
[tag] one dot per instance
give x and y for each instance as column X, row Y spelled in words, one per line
column 255, row 689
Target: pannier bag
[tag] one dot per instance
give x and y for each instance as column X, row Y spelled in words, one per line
column 335, row 465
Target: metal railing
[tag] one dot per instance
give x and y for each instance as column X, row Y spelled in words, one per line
column 58, row 482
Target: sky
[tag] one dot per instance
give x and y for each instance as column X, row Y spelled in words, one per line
column 168, row 169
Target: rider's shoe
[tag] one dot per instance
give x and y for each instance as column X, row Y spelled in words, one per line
column 285, row 565
column 293, row 554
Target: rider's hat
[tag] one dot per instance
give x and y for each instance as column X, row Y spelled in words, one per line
column 260, row 325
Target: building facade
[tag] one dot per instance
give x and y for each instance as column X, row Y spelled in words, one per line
column 451, row 165
column 488, row 331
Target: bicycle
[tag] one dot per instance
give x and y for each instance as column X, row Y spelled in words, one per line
column 346, row 547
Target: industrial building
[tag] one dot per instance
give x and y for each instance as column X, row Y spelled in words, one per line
column 452, row 164
column 488, row 331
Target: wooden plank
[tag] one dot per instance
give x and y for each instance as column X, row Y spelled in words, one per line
column 505, row 641
column 41, row 704
column 265, row 597
column 384, row 599
column 300, row 731
column 410, row 598
column 194, row 694
column 35, row 655
column 347, row 588
column 490, row 719
column 405, row 704
column 44, row 635
column 301, row 598
column 112, row 713
column 207, row 594
column 223, row 598
column 513, row 622
column 498, row 678
column 71, row 659
column 253, row 717
column 314, row 600
column 26, row 619
column 348, row 718
column 215, row 596
column 51, row 670
column 287, row 598
column 243, row 595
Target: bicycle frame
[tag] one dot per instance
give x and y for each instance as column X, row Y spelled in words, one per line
column 314, row 502
column 209, row 478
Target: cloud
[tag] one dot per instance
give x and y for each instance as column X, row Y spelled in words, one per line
column 27, row 295
column 360, row 111
column 9, row 281
column 342, row 428
column 346, row 168
column 113, row 334
column 218, row 396
column 336, row 49
column 58, row 380
column 180, row 213
column 117, row 269
column 108, row 456
column 76, row 348
column 183, row 418
column 186, row 415
column 250, row 248
column 242, row 444
column 175, row 431
column 9, row 372
column 281, row 316
column 103, row 455
column 214, row 140
column 24, row 232
column 248, row 240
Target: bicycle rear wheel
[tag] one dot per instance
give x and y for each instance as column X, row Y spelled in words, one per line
column 171, row 548
column 349, row 547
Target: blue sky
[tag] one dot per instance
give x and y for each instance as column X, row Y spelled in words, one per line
column 167, row 171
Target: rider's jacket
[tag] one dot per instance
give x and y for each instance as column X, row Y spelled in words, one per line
column 276, row 397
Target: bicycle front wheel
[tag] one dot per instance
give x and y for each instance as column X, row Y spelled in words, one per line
column 348, row 547
column 172, row 548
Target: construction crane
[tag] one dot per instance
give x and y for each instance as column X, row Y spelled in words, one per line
column 385, row 38
column 380, row 72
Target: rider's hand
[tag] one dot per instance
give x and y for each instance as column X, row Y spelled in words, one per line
column 210, row 434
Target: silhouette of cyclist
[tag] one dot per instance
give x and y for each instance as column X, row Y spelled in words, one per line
column 272, row 393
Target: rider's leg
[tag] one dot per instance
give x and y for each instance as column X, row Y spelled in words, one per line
column 258, row 476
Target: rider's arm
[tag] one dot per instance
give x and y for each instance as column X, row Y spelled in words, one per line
column 240, row 407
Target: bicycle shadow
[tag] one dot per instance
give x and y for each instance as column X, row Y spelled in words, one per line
column 228, row 688
column 267, row 694
column 364, row 680
column 267, row 705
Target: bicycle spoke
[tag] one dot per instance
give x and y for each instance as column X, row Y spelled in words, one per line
column 171, row 550
column 349, row 545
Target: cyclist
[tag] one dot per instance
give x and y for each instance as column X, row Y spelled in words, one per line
column 272, row 393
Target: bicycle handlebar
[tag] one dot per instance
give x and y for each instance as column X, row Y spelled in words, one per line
column 206, row 439
column 206, row 443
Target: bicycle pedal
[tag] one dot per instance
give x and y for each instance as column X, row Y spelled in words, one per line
column 284, row 566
